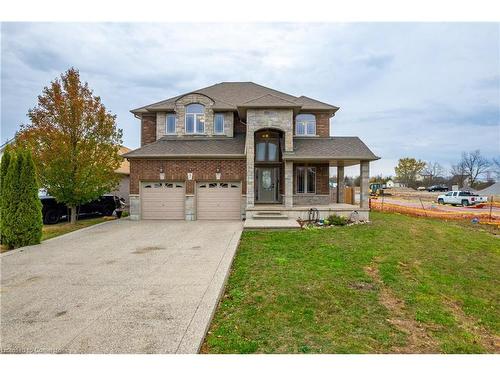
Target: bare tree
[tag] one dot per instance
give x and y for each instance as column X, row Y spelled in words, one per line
column 432, row 170
column 496, row 168
column 458, row 175
column 474, row 165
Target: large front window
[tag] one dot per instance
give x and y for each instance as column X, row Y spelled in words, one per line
column 306, row 180
column 305, row 124
column 267, row 147
column 195, row 119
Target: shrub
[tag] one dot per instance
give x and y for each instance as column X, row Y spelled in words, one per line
column 22, row 209
column 337, row 220
column 3, row 173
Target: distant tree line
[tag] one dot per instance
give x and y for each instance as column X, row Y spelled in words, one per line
column 472, row 170
column 467, row 172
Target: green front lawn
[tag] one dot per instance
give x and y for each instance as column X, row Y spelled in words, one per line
column 399, row 285
column 50, row 231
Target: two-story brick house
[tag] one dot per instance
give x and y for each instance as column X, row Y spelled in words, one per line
column 238, row 149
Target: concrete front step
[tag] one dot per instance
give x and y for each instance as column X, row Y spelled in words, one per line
column 269, row 215
column 252, row 223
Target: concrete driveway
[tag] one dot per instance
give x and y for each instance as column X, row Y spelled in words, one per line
column 119, row 287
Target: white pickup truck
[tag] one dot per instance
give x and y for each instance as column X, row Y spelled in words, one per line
column 465, row 198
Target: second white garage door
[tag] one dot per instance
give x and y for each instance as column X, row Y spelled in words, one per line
column 218, row 201
column 163, row 200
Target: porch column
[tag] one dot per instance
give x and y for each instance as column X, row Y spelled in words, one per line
column 250, row 146
column 340, row 183
column 364, row 173
column 288, row 184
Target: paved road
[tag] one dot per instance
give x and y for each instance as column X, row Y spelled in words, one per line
column 120, row 287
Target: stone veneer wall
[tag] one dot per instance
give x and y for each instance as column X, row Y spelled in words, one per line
column 180, row 111
column 310, row 199
column 281, row 119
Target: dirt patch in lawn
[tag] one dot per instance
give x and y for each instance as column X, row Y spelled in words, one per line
column 418, row 340
column 484, row 337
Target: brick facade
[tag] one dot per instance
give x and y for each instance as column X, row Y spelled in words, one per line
column 322, row 177
column 148, row 129
column 176, row 170
column 322, row 124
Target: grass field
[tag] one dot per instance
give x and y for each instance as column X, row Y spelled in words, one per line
column 50, row 231
column 397, row 285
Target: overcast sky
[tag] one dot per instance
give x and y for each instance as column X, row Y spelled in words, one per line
column 428, row 91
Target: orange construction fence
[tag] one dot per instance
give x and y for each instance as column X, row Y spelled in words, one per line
column 482, row 217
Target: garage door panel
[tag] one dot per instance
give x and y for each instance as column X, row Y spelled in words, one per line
column 163, row 200
column 219, row 201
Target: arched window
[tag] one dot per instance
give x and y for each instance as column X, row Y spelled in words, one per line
column 305, row 124
column 195, row 119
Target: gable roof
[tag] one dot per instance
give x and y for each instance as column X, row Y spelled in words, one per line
column 231, row 95
column 269, row 100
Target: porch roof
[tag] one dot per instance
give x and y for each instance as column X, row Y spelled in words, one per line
column 332, row 148
column 192, row 147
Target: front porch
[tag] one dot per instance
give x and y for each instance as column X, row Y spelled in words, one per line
column 306, row 186
column 302, row 211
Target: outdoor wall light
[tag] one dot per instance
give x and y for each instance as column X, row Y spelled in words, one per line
column 217, row 174
column 162, row 173
column 190, row 176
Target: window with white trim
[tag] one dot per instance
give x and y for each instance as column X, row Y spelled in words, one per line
column 195, row 119
column 171, row 122
column 305, row 124
column 219, row 123
column 306, row 180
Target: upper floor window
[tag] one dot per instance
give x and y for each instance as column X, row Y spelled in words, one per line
column 305, row 124
column 195, row 119
column 171, row 122
column 219, row 123
column 267, row 147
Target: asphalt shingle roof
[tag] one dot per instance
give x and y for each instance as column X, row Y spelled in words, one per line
column 231, row 95
column 351, row 148
column 192, row 146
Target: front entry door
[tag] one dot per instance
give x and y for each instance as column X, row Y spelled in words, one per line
column 267, row 184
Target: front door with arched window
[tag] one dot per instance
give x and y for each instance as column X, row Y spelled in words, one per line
column 267, row 166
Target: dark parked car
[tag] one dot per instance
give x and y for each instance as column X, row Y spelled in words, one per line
column 437, row 188
column 52, row 211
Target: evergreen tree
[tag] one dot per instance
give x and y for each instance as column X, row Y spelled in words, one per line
column 10, row 187
column 22, row 225
column 3, row 172
column 30, row 207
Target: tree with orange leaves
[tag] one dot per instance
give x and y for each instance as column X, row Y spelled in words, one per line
column 74, row 141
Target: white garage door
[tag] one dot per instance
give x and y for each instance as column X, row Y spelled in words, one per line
column 219, row 201
column 163, row 200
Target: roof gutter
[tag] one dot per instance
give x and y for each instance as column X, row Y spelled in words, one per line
column 200, row 156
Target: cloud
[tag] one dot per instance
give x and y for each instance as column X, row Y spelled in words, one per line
column 425, row 90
